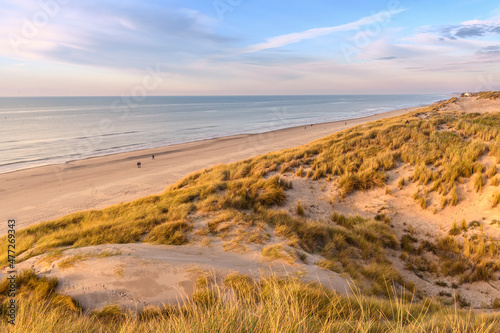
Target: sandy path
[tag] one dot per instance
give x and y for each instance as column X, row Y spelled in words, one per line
column 45, row 193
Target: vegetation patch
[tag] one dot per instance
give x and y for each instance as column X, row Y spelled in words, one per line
column 270, row 304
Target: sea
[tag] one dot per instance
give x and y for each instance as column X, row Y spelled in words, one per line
column 38, row 131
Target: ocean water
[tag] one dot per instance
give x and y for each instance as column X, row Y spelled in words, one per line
column 39, row 131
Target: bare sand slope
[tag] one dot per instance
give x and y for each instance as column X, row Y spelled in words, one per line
column 472, row 104
column 137, row 275
column 49, row 192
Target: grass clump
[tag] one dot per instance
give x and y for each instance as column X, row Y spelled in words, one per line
column 169, row 233
column 478, row 181
column 32, row 289
column 444, row 201
column 300, row 209
column 454, row 196
column 492, row 171
column 330, row 265
column 242, row 284
column 423, row 202
column 496, row 199
column 111, row 314
column 300, row 172
column 401, row 183
column 487, row 95
column 278, row 251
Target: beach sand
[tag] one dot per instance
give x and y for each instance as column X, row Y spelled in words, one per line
column 49, row 192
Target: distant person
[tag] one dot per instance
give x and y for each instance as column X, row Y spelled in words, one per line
column 346, row 122
column 153, row 157
column 138, row 164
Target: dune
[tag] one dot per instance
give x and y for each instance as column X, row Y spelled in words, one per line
column 139, row 275
column 392, row 212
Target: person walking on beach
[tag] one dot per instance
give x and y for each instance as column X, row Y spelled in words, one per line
column 153, row 157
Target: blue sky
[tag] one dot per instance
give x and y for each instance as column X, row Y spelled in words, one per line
column 236, row 47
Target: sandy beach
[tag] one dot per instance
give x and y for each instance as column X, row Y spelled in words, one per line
column 49, row 192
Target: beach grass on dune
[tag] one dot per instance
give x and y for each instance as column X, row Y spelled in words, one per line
column 242, row 304
column 487, row 95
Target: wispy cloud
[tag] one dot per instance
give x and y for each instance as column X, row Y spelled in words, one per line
column 296, row 37
column 112, row 34
column 469, row 29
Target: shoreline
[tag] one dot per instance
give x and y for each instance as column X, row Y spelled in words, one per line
column 49, row 192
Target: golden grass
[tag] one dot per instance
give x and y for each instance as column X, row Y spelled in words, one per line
column 279, row 251
column 496, row 199
column 271, row 304
column 487, row 95
column 492, row 171
column 478, row 181
column 401, row 183
column 454, row 196
column 330, row 265
column 300, row 209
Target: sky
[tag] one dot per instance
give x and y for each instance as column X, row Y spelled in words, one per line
column 247, row 47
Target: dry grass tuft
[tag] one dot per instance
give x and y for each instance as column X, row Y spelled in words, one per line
column 496, row 199
column 478, row 181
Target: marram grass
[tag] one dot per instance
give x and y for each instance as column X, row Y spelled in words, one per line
column 241, row 304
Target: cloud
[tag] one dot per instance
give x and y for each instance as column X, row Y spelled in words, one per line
column 468, row 29
column 287, row 39
column 492, row 49
column 472, row 31
column 489, row 53
column 112, row 34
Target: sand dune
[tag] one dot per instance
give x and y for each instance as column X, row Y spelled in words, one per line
column 138, row 275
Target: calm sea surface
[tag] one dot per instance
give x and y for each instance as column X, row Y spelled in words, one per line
column 46, row 130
